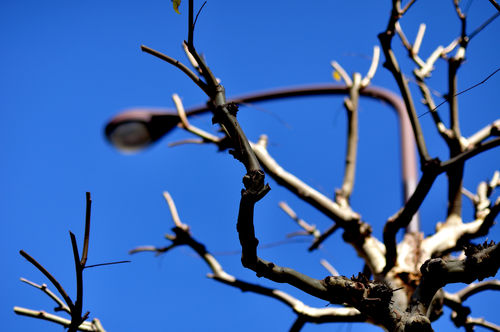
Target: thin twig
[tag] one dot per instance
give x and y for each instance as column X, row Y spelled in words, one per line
column 343, row 74
column 407, row 7
column 207, row 137
column 85, row 250
column 484, row 25
column 329, row 267
column 197, row 14
column 418, row 39
column 179, row 65
column 105, row 264
column 173, row 211
column 49, row 276
column 310, row 229
column 373, row 67
column 317, row 315
column 463, row 91
column 85, row 326
column 76, row 313
column 61, row 305
column 351, row 106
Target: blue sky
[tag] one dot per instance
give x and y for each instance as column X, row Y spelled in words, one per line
column 68, row 66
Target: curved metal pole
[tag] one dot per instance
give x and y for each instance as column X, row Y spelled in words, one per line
column 407, row 141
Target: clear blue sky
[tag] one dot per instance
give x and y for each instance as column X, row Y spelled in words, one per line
column 68, row 66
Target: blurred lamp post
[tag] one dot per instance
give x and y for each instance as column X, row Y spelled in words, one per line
column 136, row 129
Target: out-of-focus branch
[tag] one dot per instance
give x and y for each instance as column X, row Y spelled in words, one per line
column 309, row 229
column 460, row 313
column 492, row 129
column 351, row 105
column 323, row 236
column 451, row 236
column 495, row 4
column 455, row 144
column 481, row 200
column 403, row 217
column 329, row 267
column 205, row 136
column 475, row 288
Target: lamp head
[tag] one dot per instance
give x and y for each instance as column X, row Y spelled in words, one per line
column 136, row 129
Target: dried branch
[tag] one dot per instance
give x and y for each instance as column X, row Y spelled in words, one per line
column 94, row 326
column 495, row 4
column 463, row 91
column 342, row 73
column 373, row 67
column 329, row 267
column 73, row 308
column 430, row 172
column 455, row 175
column 475, row 288
column 481, row 261
column 310, row 229
column 490, row 130
column 85, row 250
column 309, row 314
column 357, row 232
column 61, row 306
column 482, row 322
column 173, row 211
column 206, row 137
column 460, row 314
column 51, row 278
column 407, row 7
column 351, row 105
column 326, row 234
column 179, row 65
column 392, row 65
column 403, row 217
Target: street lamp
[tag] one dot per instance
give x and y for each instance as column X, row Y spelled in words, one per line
column 135, row 129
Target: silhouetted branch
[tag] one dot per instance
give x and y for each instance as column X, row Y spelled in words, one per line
column 77, row 321
column 51, row 278
column 179, row 65
column 495, row 4
column 460, row 314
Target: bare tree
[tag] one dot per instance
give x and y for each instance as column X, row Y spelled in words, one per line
column 401, row 288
